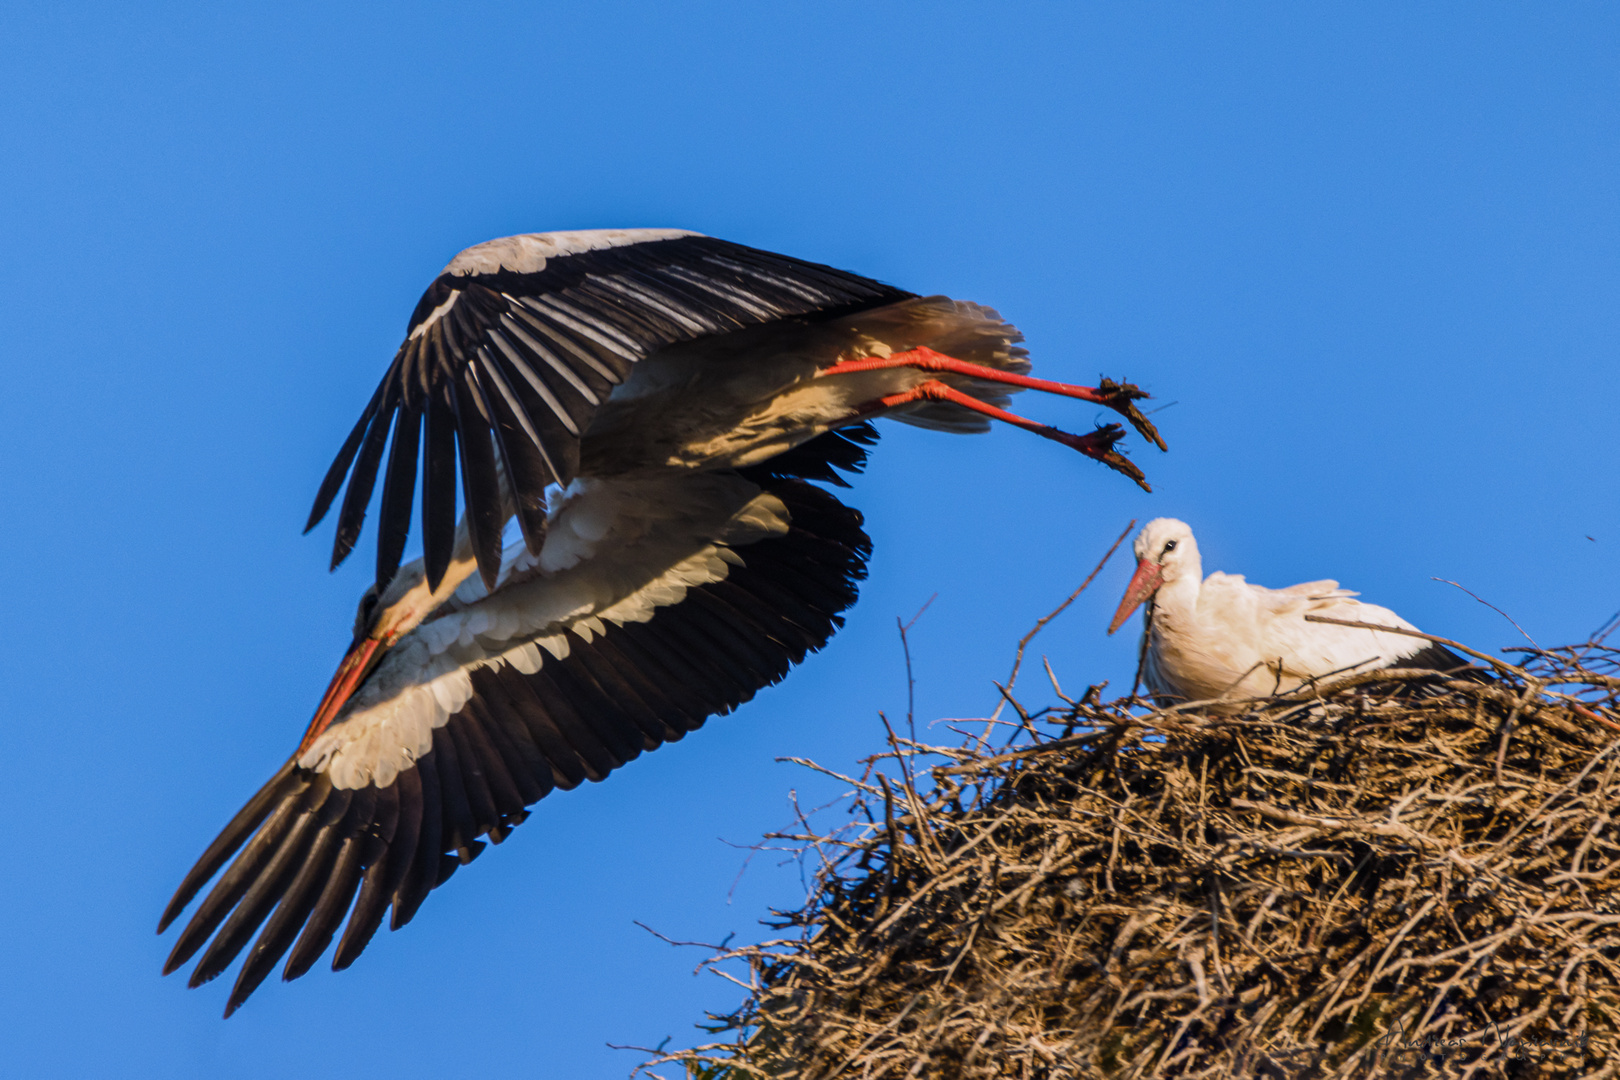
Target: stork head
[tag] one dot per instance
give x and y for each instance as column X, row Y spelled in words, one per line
column 382, row 619
column 1165, row 553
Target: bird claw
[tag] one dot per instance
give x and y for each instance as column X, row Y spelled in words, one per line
column 1099, row 446
column 1122, row 398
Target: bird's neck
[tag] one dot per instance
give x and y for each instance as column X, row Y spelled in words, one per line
column 406, row 610
column 1175, row 604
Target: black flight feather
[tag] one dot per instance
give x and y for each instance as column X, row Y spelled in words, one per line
column 529, row 474
column 679, row 709
column 610, row 708
column 375, row 890
column 329, row 910
column 424, row 866
column 474, row 778
column 407, row 833
column 339, row 890
column 296, row 903
column 577, row 735
column 233, row 884
column 530, row 768
column 690, row 631
column 399, row 489
column 333, row 481
column 439, row 487
column 459, row 829
column 363, row 479
column 515, row 752
column 568, row 769
column 759, row 582
column 603, row 719
column 687, row 667
column 1439, row 658
column 767, row 652
column 503, row 789
column 483, row 509
column 260, row 897
column 614, row 684
column 287, row 781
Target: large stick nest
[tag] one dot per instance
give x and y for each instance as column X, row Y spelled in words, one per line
column 1398, row 875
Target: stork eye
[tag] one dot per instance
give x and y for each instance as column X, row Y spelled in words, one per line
column 1168, row 548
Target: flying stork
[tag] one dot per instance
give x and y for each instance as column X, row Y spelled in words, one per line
column 1222, row 640
column 651, row 406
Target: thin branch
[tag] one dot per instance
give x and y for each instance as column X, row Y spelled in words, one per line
column 1500, row 665
column 1040, row 624
column 686, row 944
column 911, row 682
column 1490, row 605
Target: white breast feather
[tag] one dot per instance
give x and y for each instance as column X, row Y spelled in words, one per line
column 616, row 551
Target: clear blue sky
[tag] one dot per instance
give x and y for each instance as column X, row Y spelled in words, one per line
column 1370, row 251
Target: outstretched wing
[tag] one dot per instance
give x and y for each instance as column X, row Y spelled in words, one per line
column 399, row 792
column 512, row 349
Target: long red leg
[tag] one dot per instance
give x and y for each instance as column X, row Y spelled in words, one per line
column 1098, row 445
column 1121, row 397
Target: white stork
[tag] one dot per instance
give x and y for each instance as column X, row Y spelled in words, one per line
column 1221, row 639
column 651, row 405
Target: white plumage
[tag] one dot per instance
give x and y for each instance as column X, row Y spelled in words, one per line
column 1221, row 639
column 616, row 551
column 527, row 253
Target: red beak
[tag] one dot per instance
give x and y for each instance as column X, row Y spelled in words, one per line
column 359, row 662
column 1144, row 583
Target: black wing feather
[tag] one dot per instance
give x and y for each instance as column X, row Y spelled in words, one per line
column 503, row 789
column 439, row 486
column 329, row 910
column 646, row 678
column 423, row 870
column 249, row 818
column 592, row 314
column 234, row 883
column 399, row 489
column 332, row 483
column 700, row 680
column 602, row 713
column 314, row 850
column 375, row 891
column 551, row 684
column 484, row 510
column 267, row 887
column 459, row 830
column 613, row 685
column 475, row 779
column 520, row 761
column 537, row 767
column 526, row 467
column 296, row 903
column 364, row 477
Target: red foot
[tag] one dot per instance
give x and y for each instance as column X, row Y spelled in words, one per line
column 1098, row 445
column 1117, row 396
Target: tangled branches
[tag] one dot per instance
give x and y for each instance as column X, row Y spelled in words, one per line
column 1395, row 875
